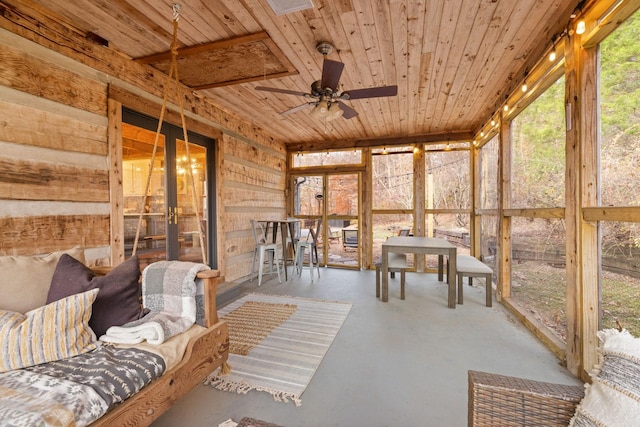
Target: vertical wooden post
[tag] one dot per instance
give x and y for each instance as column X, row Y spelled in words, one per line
column 474, row 203
column 582, row 145
column 430, row 197
column 419, row 171
column 504, row 202
column 114, row 136
column 365, row 214
column 589, row 188
column 572, row 212
column 220, row 216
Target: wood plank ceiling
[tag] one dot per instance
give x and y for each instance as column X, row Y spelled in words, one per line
column 454, row 61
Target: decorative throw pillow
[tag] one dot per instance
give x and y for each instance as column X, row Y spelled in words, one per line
column 26, row 279
column 56, row 331
column 613, row 399
column 119, row 300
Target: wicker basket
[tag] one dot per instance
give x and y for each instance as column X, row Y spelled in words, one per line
column 498, row 400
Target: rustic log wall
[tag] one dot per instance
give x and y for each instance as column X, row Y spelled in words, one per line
column 251, row 191
column 55, row 188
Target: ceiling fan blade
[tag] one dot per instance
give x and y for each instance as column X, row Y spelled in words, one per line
column 274, row 89
column 347, row 112
column 331, row 72
column 373, row 92
column 296, row 109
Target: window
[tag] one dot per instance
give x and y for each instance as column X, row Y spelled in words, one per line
column 538, row 155
column 329, row 158
column 619, row 88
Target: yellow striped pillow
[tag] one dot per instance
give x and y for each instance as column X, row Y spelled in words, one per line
column 55, row 331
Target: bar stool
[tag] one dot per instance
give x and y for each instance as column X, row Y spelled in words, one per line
column 262, row 247
column 308, row 243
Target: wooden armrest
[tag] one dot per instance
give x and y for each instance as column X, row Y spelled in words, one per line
column 503, row 400
column 210, row 280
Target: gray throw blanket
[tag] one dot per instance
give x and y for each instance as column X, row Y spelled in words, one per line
column 169, row 292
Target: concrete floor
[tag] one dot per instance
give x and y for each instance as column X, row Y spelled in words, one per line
column 401, row 363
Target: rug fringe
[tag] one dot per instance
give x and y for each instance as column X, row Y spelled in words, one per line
column 223, row 384
column 225, row 368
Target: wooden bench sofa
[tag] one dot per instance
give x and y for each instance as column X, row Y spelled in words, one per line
column 206, row 348
column 204, row 354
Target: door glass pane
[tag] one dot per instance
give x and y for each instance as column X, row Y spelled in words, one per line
column 191, row 214
column 342, row 219
column 137, row 148
column 308, row 197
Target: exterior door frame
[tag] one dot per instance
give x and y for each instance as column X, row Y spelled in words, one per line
column 173, row 133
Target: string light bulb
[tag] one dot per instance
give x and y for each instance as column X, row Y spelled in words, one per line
column 506, row 107
column 524, row 87
column 581, row 27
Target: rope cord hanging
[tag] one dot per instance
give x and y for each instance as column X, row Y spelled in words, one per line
column 173, row 71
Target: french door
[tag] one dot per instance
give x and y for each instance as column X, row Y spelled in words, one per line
column 177, row 213
column 334, row 198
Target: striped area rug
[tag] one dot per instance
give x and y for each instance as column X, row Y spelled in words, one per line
column 285, row 361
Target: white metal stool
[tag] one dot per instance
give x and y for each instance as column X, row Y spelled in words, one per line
column 262, row 247
column 309, row 244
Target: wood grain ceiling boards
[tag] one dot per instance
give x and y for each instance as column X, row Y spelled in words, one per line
column 454, row 61
column 221, row 63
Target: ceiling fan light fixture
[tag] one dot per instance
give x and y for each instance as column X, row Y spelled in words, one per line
column 335, row 112
column 319, row 111
column 326, row 110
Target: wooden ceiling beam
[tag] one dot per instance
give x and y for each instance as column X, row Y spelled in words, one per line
column 245, row 80
column 379, row 142
column 203, row 48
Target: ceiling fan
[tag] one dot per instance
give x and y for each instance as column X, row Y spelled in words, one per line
column 325, row 98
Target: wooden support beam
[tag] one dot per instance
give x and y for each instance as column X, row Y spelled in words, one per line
column 116, row 238
column 419, row 199
column 504, row 202
column 466, row 136
column 548, row 213
column 475, row 224
column 611, row 213
column 586, row 122
column 366, row 209
column 572, row 220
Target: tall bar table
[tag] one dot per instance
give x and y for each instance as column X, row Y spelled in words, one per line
column 287, row 228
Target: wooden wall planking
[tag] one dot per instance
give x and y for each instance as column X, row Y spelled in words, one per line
column 255, row 180
column 53, row 141
column 64, row 132
column 32, row 75
column 43, row 234
column 54, row 100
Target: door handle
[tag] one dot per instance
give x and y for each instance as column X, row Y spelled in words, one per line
column 172, row 216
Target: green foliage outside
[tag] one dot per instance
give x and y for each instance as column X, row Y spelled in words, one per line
column 538, row 167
